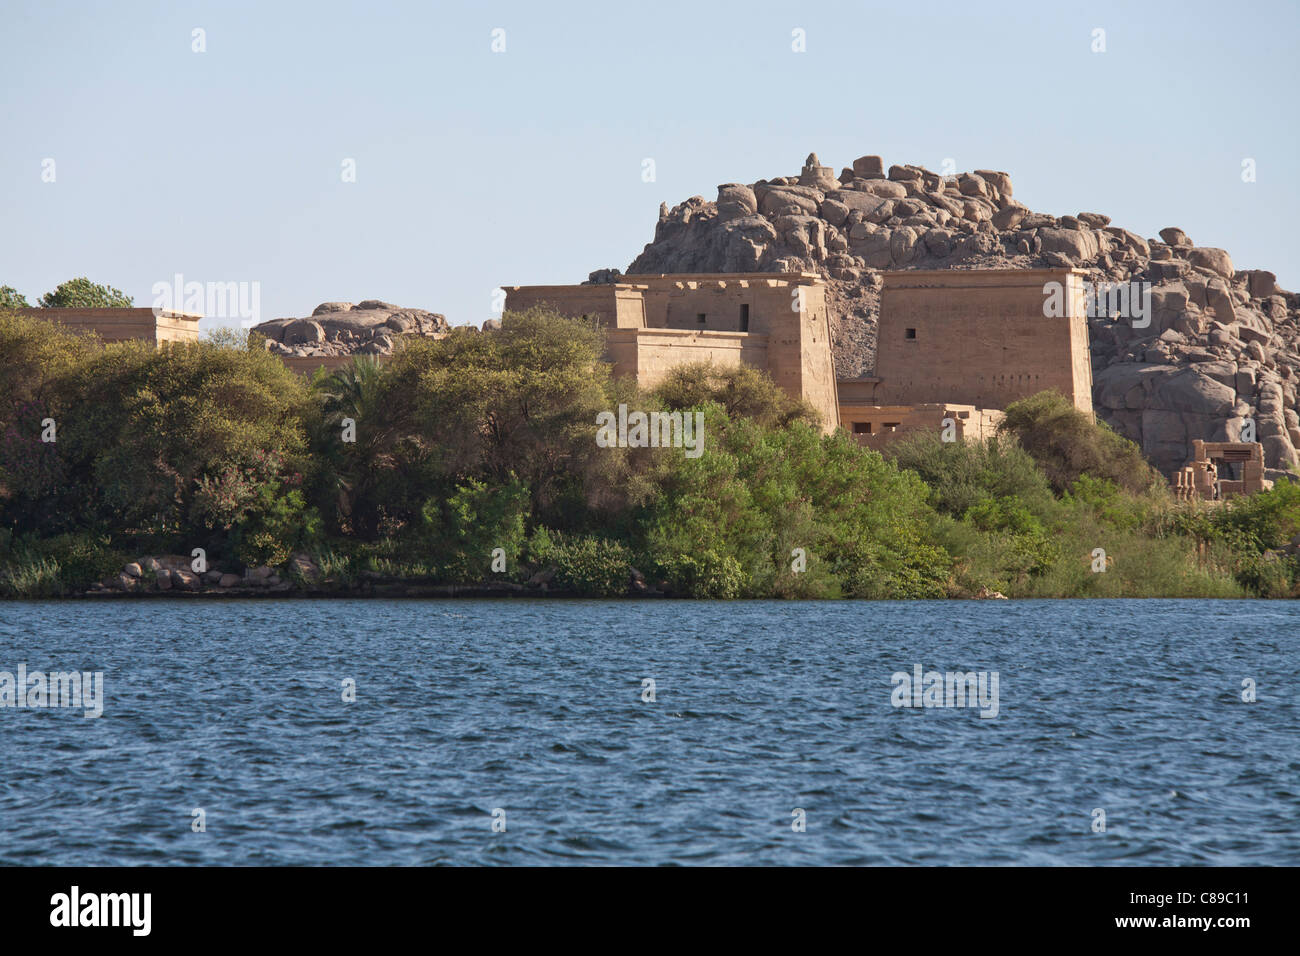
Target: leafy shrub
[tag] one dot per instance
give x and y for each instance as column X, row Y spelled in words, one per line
column 961, row 475
column 589, row 566
column 701, row 573
column 461, row 532
column 1104, row 498
column 758, row 493
column 1266, row 519
column 1268, row 575
column 1067, row 443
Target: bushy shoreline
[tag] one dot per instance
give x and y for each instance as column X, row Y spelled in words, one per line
column 470, row 465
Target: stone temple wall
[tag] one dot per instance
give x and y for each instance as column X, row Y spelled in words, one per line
column 775, row 322
column 876, row 425
column 981, row 338
column 120, row 325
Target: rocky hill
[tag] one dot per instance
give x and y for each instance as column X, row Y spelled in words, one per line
column 1222, row 344
column 370, row 327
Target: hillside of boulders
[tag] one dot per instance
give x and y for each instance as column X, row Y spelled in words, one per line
column 370, row 327
column 1222, row 345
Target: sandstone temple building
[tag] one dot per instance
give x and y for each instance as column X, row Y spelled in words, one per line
column 962, row 345
column 955, row 345
column 777, row 322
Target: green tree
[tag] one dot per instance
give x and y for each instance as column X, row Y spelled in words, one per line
column 462, row 531
column 962, row 474
column 354, row 441
column 11, row 298
column 141, row 429
column 757, row 493
column 38, row 362
column 36, row 357
column 84, row 294
column 518, row 403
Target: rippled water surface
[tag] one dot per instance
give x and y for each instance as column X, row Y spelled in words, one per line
column 463, row 707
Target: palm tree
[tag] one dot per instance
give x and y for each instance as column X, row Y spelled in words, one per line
column 356, row 435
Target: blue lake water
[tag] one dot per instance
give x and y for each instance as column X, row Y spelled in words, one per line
column 761, row 708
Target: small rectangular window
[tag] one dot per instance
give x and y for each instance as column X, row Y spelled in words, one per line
column 909, row 334
column 891, row 426
column 862, row 428
column 744, row 318
column 700, row 317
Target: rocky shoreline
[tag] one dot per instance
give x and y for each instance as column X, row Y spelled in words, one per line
column 375, row 589
column 173, row 577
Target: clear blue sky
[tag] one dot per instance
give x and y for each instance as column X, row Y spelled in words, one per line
column 477, row 169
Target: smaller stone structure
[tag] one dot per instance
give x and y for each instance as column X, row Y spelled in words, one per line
column 816, row 175
column 875, row 426
column 121, row 325
column 1203, row 479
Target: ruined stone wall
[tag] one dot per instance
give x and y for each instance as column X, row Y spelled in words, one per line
column 728, row 303
column 875, row 426
column 648, row 354
column 618, row 306
column 120, row 325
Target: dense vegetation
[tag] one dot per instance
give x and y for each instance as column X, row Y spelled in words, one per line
column 483, row 441
column 73, row 294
